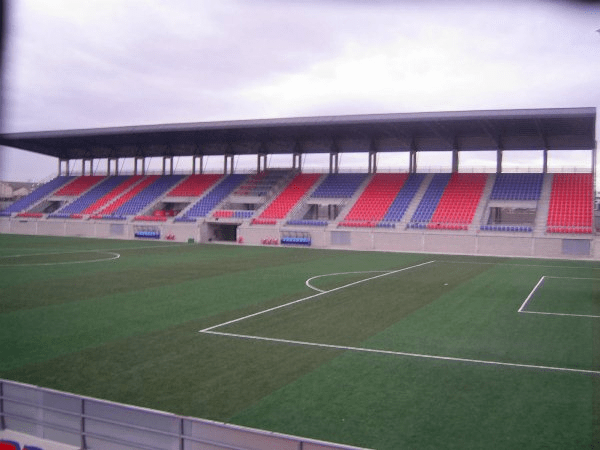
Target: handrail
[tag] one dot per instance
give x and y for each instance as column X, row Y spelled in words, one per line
column 15, row 409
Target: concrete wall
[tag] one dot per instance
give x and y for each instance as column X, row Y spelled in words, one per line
column 506, row 245
column 447, row 242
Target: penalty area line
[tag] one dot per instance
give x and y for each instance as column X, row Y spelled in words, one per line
column 408, row 354
column 533, row 291
column 311, row 296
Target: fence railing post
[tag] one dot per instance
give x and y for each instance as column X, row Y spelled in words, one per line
column 2, row 424
column 82, row 425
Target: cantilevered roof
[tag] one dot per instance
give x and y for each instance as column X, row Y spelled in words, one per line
column 524, row 129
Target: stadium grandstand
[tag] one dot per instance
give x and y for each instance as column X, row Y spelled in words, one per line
column 541, row 214
column 146, row 314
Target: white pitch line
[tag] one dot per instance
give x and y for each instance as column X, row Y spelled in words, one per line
column 165, row 245
column 572, row 278
column 339, row 273
column 115, row 256
column 560, row 314
column 414, row 355
column 531, row 294
column 517, row 265
column 310, row 296
column 521, row 309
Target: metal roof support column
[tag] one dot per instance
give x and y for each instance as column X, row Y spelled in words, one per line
column 164, row 165
column 200, row 159
column 297, row 161
column 594, row 151
column 499, row 154
column 297, row 156
column 412, row 157
column 65, row 162
column 455, row 158
column 228, row 158
column 108, row 170
column 373, row 156
column 334, row 157
column 372, row 162
column 334, row 162
column 261, row 162
column 135, row 164
column 545, row 165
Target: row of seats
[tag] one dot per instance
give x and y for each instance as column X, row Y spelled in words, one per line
column 130, row 194
column 308, row 222
column 232, row 213
column 459, row 201
column 377, row 197
column 520, row 228
column 339, row 185
column 291, row 240
column 99, row 190
column 37, row 195
column 109, row 192
column 207, row 203
column 449, row 202
column 146, row 196
column 194, row 185
column 260, row 183
column 398, row 208
column 290, row 196
column 79, row 185
column 431, row 198
column 571, row 208
column 150, row 218
column 259, row 221
column 517, row 186
column 6, row 444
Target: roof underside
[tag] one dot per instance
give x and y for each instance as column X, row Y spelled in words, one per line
column 533, row 129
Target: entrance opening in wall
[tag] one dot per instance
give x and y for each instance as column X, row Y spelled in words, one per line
column 511, row 216
column 223, row 232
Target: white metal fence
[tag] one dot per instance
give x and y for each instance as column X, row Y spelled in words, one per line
column 90, row 423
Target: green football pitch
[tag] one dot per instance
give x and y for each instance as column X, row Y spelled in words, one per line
column 380, row 350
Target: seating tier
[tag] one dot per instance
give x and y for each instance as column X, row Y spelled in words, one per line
column 37, row 195
column 213, row 198
column 377, row 197
column 571, row 204
column 517, row 186
column 194, row 185
column 430, row 200
column 290, row 196
column 459, row 201
column 79, row 185
column 339, row 185
column 121, row 184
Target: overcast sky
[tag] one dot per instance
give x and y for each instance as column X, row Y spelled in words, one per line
column 98, row 63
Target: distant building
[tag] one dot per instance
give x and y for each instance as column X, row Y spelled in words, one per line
column 11, row 191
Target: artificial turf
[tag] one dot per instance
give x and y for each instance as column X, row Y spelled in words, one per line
column 127, row 330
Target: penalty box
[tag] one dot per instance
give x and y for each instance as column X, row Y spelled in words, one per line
column 564, row 296
column 353, row 312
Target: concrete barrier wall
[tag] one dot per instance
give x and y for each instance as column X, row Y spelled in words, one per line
column 58, row 416
column 548, row 248
column 52, row 228
column 518, row 245
column 450, row 243
column 505, row 245
column 4, row 226
column 23, row 226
